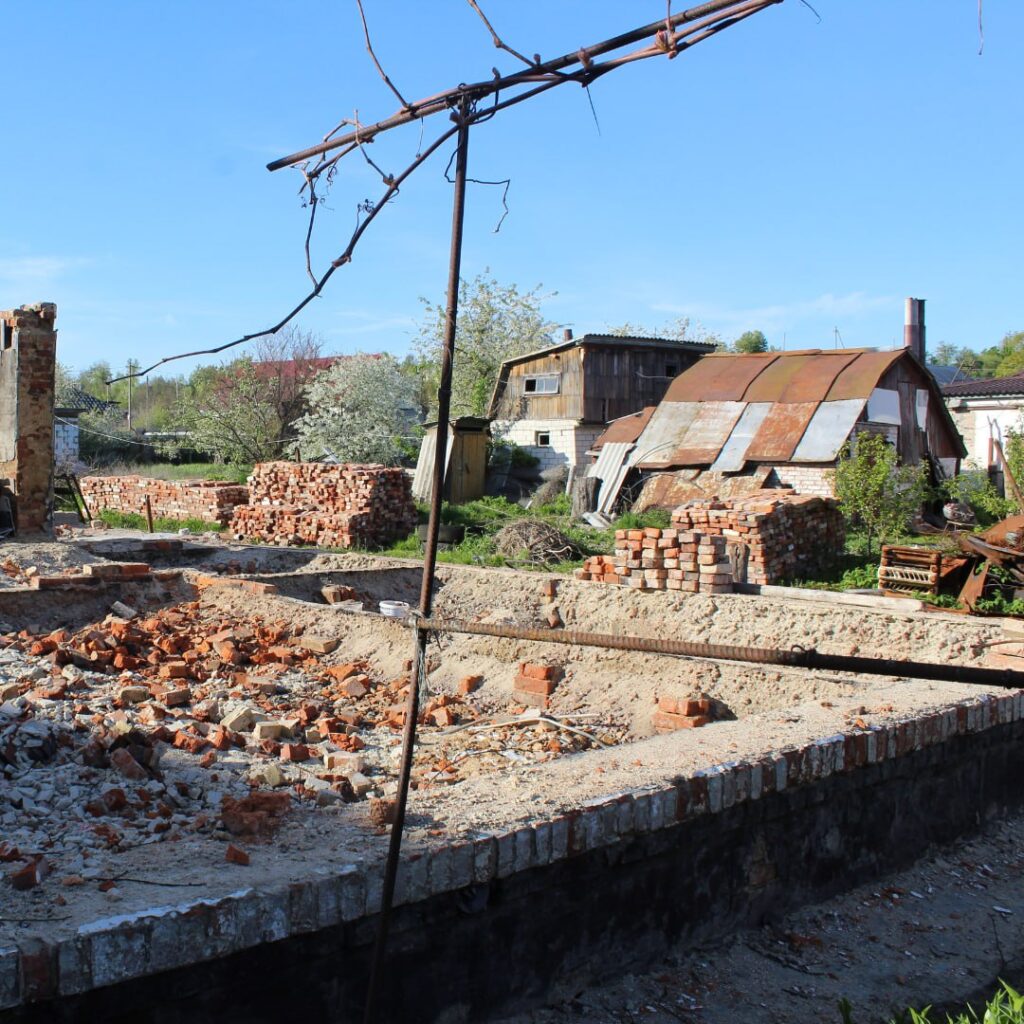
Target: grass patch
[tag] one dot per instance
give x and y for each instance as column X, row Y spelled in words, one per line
column 1005, row 1007
column 130, row 521
column 486, row 516
column 185, row 471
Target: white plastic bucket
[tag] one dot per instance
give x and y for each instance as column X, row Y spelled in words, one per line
column 394, row 609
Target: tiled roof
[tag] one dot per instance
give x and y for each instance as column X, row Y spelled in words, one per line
column 1011, row 385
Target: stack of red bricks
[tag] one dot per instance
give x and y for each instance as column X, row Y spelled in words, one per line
column 669, row 559
column 674, row 713
column 788, row 536
column 213, row 501
column 535, row 683
column 328, row 506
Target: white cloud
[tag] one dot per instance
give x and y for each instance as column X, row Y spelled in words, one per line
column 833, row 308
column 27, row 272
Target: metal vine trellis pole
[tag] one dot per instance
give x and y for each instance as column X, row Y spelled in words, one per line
column 467, row 105
column 668, row 37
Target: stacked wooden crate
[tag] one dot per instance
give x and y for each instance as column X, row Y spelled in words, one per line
column 328, row 506
column 213, row 501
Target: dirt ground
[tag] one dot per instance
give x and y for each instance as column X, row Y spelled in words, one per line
column 938, row 934
column 607, row 694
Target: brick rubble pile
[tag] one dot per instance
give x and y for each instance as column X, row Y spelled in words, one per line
column 669, row 559
column 789, row 536
column 213, row 501
column 328, row 506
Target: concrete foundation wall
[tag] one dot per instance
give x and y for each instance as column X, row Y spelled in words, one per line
column 489, row 925
column 28, row 353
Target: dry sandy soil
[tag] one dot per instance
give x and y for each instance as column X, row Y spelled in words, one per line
column 938, row 934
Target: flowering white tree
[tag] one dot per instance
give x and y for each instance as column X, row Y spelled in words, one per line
column 358, row 411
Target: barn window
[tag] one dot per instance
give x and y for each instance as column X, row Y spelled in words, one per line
column 543, row 439
column 542, row 384
column 671, row 370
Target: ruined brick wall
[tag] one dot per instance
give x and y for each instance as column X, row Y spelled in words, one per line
column 28, row 355
column 329, row 506
column 210, row 500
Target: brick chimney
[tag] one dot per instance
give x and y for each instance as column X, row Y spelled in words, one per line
column 913, row 328
column 28, row 359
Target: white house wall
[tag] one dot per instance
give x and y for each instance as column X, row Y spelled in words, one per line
column 974, row 422
column 570, row 441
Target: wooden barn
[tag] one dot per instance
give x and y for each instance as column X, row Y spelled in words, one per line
column 555, row 402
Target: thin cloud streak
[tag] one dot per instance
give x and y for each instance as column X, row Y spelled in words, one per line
column 784, row 315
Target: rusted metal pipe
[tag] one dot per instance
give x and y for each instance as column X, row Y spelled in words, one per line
column 420, row 635
column 795, row 657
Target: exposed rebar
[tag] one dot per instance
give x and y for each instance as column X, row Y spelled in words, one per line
column 795, row 657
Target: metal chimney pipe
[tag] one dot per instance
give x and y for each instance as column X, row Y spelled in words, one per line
column 913, row 328
column 567, row 334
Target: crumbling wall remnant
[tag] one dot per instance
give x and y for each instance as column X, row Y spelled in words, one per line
column 28, row 358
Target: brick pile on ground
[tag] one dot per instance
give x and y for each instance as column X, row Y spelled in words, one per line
column 328, row 506
column 789, row 536
column 663, row 559
column 213, row 501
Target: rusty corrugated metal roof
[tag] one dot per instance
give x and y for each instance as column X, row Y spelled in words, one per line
column 780, row 433
column 861, row 377
column 626, row 429
column 718, row 377
column 762, row 407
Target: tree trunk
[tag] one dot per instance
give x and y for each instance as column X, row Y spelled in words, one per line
column 584, row 495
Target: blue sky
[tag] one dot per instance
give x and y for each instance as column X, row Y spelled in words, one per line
column 790, row 175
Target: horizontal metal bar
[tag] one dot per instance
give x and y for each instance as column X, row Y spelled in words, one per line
column 797, row 657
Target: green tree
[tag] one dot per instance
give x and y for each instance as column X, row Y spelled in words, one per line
column 247, row 410
column 1005, row 358
column 751, row 341
column 359, row 411
column 874, row 490
column 944, row 354
column 495, row 322
column 229, row 413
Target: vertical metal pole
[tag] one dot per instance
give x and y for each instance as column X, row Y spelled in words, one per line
column 444, row 396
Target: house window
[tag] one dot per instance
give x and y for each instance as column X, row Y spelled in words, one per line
column 542, row 439
column 542, row 384
column 671, row 370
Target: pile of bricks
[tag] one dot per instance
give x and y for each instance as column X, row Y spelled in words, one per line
column 213, row 501
column 535, row 683
column 328, row 506
column 681, row 713
column 669, row 559
column 788, row 536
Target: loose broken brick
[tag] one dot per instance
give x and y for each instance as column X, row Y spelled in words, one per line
column 318, row 644
column 29, row 876
column 469, row 684
column 127, row 765
column 235, row 855
column 294, row 752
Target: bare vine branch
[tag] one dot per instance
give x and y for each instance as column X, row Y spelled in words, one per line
column 373, row 56
column 497, row 39
column 671, row 36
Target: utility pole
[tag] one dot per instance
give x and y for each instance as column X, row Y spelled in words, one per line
column 132, row 365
